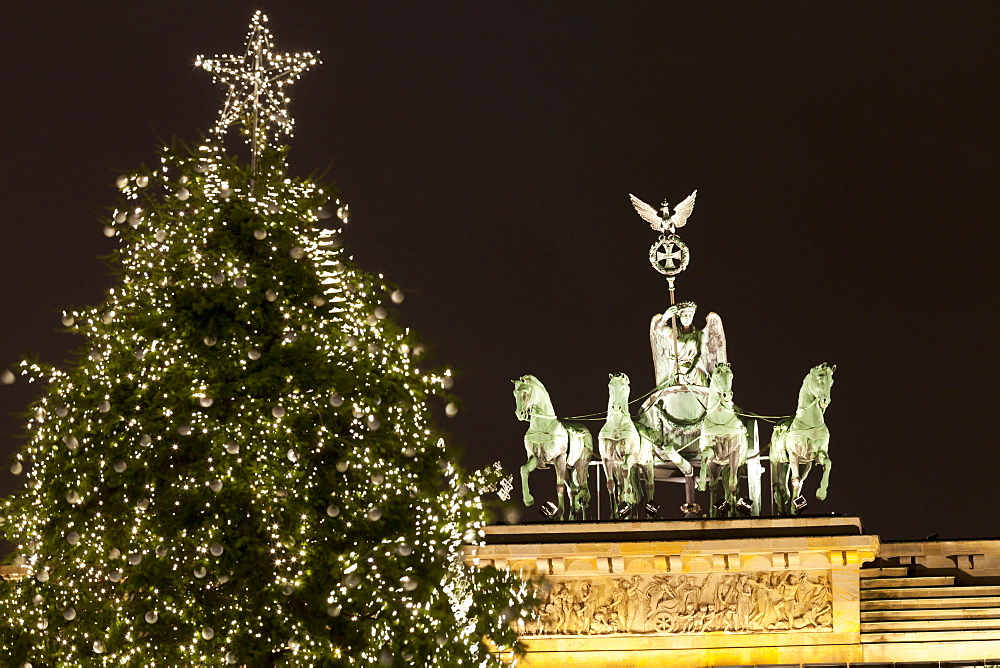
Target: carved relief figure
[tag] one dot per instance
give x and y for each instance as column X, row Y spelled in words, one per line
column 761, row 602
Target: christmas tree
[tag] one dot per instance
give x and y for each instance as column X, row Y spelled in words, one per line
column 240, row 468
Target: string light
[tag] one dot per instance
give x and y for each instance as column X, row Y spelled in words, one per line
column 240, row 465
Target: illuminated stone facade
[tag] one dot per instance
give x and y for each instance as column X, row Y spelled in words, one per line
column 748, row 592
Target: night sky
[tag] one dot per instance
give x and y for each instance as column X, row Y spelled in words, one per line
column 846, row 155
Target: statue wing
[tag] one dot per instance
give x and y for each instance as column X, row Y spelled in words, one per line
column 683, row 210
column 715, row 342
column 648, row 213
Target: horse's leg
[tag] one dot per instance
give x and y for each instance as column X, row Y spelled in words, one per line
column 560, row 466
column 779, row 484
column 528, row 467
column 583, row 485
column 707, row 456
column 823, row 459
column 609, row 475
column 733, row 484
column 650, row 481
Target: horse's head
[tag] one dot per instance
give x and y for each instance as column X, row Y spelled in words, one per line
column 721, row 386
column 524, row 396
column 819, row 382
column 618, row 390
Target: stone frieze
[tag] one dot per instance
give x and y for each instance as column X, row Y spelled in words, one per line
column 647, row 604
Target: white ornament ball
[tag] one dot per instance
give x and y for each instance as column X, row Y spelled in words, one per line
column 68, row 321
column 404, row 550
column 270, row 295
column 121, row 181
column 71, row 442
column 374, row 423
column 151, row 617
column 73, row 497
column 184, row 430
column 114, row 553
column 104, row 406
column 334, row 610
column 120, row 467
column 200, row 572
column 210, row 340
column 240, row 282
column 410, row 451
column 297, row 252
column 208, row 633
column 336, row 400
column 182, row 180
column 142, row 181
column 139, row 354
column 385, row 658
column 183, row 194
column 98, row 647
column 277, row 411
column 259, row 234
column 287, row 590
column 143, row 504
column 73, row 538
column 397, row 296
column 134, row 220
column 42, row 624
column 223, row 579
column 16, row 468
column 231, row 657
column 216, row 549
column 219, row 278
column 109, row 232
column 447, row 382
column 341, row 466
column 409, row 584
column 145, row 440
column 115, row 575
column 135, row 559
column 42, row 575
column 215, row 485
column 380, row 312
column 292, row 456
column 161, row 550
column 232, row 448
column 69, row 614
column 451, row 410
column 254, row 354
column 332, row 510
column 378, row 479
column 375, row 514
column 205, row 401
column 160, row 235
column 62, row 411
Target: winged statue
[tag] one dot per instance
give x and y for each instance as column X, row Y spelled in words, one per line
column 662, row 221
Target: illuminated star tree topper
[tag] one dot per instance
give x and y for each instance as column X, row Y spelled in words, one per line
column 257, row 81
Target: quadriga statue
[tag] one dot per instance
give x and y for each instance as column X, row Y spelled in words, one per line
column 565, row 446
column 801, row 441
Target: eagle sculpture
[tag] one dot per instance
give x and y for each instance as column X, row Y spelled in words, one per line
column 663, row 222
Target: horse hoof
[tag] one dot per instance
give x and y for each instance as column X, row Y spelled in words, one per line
column 529, row 501
column 799, row 503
